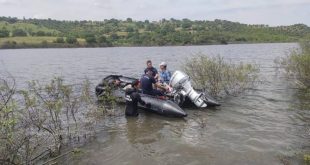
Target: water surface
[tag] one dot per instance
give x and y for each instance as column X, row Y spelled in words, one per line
column 263, row 126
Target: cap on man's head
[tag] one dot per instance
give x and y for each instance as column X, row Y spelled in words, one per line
column 163, row 64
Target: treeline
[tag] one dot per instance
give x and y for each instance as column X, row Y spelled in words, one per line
column 22, row 33
column 128, row 32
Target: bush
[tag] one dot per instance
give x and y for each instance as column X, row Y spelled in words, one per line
column 114, row 36
column 8, row 45
column 40, row 33
column 8, row 124
column 220, row 77
column 71, row 40
column 103, row 41
column 130, row 29
column 44, row 44
column 4, row 33
column 19, row 32
column 90, row 39
column 43, row 119
column 60, row 40
column 297, row 64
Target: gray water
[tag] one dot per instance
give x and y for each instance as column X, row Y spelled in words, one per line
column 269, row 124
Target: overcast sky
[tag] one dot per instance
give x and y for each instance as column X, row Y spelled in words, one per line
column 271, row 12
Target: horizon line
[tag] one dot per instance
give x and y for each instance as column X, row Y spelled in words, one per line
column 137, row 20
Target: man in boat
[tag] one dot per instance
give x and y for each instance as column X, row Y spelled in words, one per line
column 164, row 76
column 147, row 81
column 149, row 66
column 132, row 98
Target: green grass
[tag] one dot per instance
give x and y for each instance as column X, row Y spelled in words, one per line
column 33, row 40
column 122, row 33
column 30, row 40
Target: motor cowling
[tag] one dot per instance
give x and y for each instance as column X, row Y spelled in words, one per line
column 181, row 85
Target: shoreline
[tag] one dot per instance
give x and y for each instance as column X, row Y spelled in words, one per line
column 66, row 46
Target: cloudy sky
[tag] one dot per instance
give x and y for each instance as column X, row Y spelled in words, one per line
column 271, row 12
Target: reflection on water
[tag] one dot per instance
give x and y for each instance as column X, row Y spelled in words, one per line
column 262, row 126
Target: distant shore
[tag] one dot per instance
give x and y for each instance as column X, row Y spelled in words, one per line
column 48, row 33
column 12, row 44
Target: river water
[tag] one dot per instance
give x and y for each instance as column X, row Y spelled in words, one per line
column 269, row 124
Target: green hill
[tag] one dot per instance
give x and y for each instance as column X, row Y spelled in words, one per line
column 114, row 32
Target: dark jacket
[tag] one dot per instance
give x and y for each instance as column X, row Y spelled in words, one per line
column 147, row 84
column 132, row 98
column 154, row 70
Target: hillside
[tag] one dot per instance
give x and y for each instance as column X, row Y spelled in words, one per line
column 19, row 33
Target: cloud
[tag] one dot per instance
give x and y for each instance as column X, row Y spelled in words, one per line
column 245, row 11
column 272, row 14
column 9, row 2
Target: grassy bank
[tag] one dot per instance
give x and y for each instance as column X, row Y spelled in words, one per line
column 37, row 42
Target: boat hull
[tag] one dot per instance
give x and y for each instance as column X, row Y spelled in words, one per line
column 167, row 107
column 164, row 107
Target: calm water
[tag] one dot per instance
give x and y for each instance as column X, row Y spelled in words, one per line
column 261, row 126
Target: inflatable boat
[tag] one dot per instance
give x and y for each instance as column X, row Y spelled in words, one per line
column 182, row 94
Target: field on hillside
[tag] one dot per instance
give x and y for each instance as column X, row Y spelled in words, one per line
column 34, row 40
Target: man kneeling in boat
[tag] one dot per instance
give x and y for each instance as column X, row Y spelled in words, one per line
column 132, row 98
column 147, row 82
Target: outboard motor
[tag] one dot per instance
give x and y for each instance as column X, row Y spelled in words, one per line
column 182, row 86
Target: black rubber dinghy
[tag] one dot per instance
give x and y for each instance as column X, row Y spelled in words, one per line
column 164, row 107
column 168, row 107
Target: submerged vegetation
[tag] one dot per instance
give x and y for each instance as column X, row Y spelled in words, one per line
column 37, row 122
column 297, row 64
column 19, row 33
column 220, row 77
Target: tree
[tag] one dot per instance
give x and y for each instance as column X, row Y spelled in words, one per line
column 129, row 20
column 71, row 40
column 140, row 24
column 135, row 38
column 107, row 29
column 40, row 33
column 60, row 40
column 4, row 33
column 150, row 27
column 90, row 39
column 19, row 32
column 103, row 41
column 114, row 36
column 130, row 29
column 167, row 28
column 186, row 23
